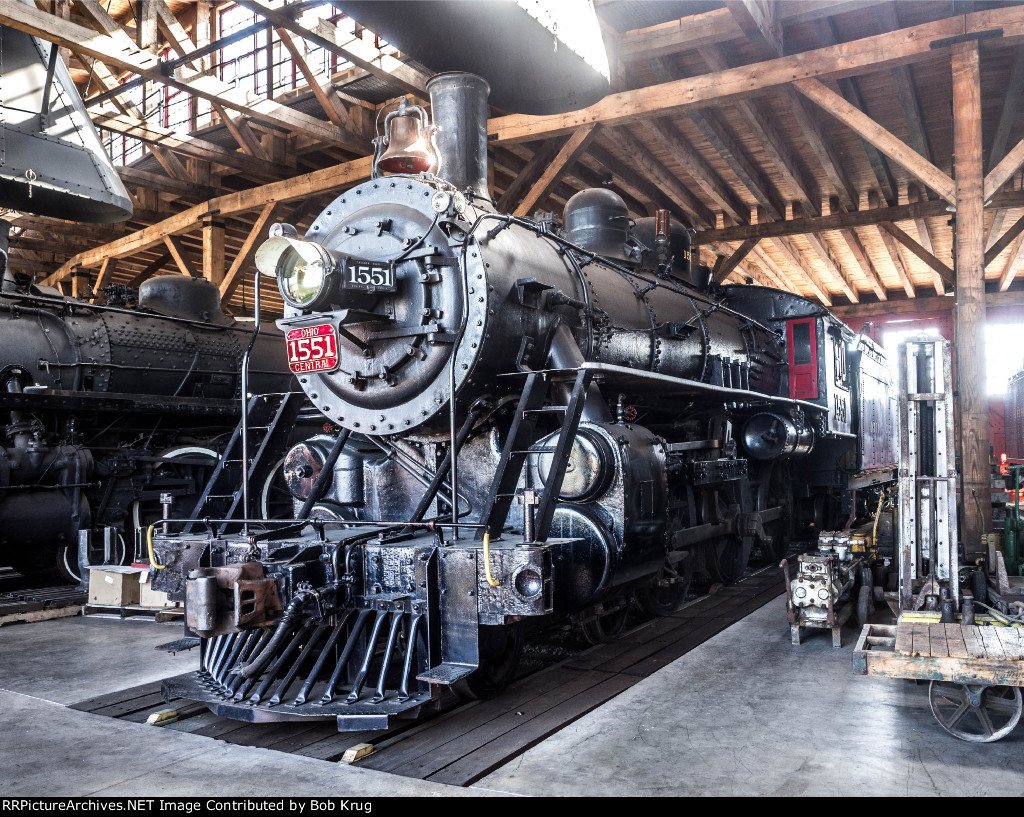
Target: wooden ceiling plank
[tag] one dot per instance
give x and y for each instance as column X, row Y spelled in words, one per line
column 892, row 248
column 905, row 90
column 663, row 131
column 1004, row 240
column 797, row 261
column 869, row 129
column 760, row 254
column 832, row 264
column 716, row 134
column 941, row 269
column 760, row 124
column 859, row 252
column 717, row 26
column 567, row 155
column 733, row 261
column 633, row 152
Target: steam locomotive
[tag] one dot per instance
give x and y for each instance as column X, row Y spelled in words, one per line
column 109, row 408
column 527, row 421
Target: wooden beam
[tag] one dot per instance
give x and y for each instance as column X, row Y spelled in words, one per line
column 114, row 52
column 969, row 312
column 1004, row 240
column 110, row 119
column 892, row 248
column 153, row 266
column 717, row 26
column 542, row 155
column 718, row 136
column 1008, row 114
column 821, row 146
column 187, row 191
column 181, row 256
column 567, row 155
column 905, row 90
column 103, row 279
column 319, row 85
column 941, row 269
column 1012, row 265
column 213, row 251
column 924, row 234
column 756, row 18
column 327, row 35
column 835, row 221
column 907, row 45
column 934, row 303
column 1002, row 172
column 761, row 256
column 243, row 258
column 874, row 133
column 733, row 261
column 319, row 181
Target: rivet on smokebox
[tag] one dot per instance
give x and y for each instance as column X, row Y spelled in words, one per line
column 357, row 752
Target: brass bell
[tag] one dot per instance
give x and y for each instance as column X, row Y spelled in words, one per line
column 407, row 148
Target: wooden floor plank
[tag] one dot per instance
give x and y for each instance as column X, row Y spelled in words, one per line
column 1010, row 642
column 429, row 750
column 904, row 639
column 972, row 638
column 993, row 647
column 133, row 705
column 485, row 759
column 955, row 641
column 92, row 704
column 938, row 647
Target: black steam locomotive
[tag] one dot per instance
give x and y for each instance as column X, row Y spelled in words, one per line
column 110, row 407
column 529, row 421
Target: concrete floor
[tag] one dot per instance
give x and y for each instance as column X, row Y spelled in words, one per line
column 746, row 713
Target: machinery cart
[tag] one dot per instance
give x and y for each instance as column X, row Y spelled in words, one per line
column 975, row 671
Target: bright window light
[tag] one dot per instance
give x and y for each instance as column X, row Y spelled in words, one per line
column 1004, row 354
column 574, row 23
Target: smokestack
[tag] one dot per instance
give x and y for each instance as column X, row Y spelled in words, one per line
column 458, row 104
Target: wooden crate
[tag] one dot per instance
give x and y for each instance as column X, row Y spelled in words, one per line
column 966, row 654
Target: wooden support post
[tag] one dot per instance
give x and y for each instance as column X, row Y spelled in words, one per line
column 213, row 251
column 969, row 309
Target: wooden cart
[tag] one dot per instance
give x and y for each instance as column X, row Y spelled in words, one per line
column 975, row 671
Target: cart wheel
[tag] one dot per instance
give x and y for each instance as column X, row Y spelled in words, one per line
column 975, row 712
column 865, row 606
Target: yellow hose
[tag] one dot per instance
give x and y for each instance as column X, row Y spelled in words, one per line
column 487, row 560
column 878, row 512
column 149, row 544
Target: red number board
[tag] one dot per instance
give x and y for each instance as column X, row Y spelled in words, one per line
column 312, row 349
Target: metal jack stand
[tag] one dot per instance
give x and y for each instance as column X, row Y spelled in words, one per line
column 927, row 478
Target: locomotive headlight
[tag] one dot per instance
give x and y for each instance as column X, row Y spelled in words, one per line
column 304, row 270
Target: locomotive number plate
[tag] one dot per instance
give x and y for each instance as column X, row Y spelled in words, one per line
column 313, row 348
column 370, row 276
